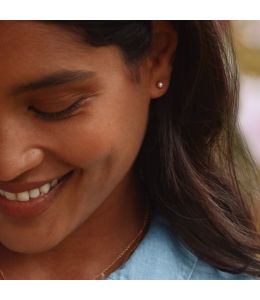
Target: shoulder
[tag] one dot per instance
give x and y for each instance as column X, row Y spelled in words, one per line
column 161, row 256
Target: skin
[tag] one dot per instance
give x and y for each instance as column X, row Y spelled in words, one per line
column 101, row 208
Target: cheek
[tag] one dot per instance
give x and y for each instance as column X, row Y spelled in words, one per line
column 102, row 142
column 109, row 144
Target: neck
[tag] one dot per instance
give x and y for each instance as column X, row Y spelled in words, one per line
column 91, row 247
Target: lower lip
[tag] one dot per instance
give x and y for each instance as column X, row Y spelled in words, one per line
column 34, row 207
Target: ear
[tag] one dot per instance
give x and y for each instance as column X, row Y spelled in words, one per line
column 161, row 57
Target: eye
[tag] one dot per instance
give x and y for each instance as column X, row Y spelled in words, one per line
column 59, row 115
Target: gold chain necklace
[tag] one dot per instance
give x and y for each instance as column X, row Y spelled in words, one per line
column 123, row 255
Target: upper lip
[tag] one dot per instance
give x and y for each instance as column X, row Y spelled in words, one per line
column 23, row 186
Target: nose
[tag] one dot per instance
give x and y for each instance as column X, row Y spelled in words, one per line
column 18, row 154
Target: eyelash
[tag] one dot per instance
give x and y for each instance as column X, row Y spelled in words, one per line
column 59, row 115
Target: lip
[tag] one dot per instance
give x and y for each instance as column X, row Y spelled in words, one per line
column 12, row 187
column 33, row 207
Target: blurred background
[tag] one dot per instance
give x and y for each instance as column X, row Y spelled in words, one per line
column 247, row 45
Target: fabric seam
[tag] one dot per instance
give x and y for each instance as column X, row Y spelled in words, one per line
column 193, row 268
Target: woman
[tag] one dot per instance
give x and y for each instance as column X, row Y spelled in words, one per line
column 113, row 135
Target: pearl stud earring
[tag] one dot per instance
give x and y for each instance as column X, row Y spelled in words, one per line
column 159, row 84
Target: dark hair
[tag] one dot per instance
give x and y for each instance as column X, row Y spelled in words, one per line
column 187, row 163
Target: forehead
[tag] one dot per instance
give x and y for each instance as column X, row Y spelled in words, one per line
column 22, row 37
column 30, row 49
column 25, row 42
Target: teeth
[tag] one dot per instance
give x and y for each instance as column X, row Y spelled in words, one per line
column 45, row 188
column 54, row 182
column 26, row 195
column 34, row 193
column 10, row 196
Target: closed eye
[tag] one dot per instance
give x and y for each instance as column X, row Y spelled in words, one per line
column 59, row 115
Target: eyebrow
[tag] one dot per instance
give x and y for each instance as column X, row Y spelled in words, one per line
column 52, row 80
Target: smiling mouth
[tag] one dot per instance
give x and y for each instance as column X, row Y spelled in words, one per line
column 34, row 193
column 34, row 206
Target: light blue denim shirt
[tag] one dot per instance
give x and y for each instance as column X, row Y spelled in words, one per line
column 161, row 256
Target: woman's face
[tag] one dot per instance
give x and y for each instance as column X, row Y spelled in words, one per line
column 45, row 69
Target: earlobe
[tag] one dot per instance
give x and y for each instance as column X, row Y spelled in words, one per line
column 161, row 57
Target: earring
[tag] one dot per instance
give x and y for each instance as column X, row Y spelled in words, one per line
column 159, row 84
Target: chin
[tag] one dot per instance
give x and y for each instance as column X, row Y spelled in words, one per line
column 31, row 246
